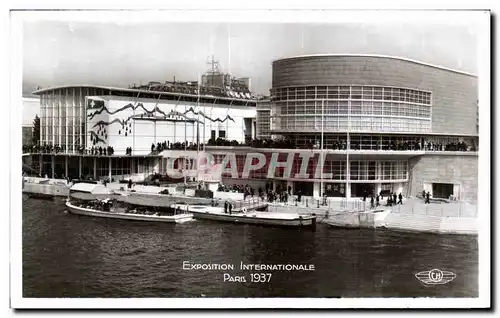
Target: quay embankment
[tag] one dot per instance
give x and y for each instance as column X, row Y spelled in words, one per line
column 412, row 215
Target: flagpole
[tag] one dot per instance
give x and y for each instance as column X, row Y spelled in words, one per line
column 348, row 177
column 185, row 142
column 154, row 114
column 321, row 153
column 198, row 118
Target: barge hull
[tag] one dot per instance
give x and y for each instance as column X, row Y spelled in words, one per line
column 181, row 218
column 305, row 222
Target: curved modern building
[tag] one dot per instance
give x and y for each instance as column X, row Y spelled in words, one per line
column 388, row 113
column 368, row 93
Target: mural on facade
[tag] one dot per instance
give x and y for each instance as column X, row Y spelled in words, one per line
column 99, row 131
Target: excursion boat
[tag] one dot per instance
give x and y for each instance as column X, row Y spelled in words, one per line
column 97, row 200
column 249, row 217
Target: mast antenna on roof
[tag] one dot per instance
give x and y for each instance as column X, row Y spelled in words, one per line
column 215, row 65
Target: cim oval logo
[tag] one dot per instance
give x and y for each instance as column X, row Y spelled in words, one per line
column 435, row 277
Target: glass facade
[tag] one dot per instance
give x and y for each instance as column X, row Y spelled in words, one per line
column 360, row 170
column 62, row 116
column 263, row 119
column 351, row 108
column 263, row 124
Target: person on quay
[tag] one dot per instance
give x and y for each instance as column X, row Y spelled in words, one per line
column 394, row 198
column 378, row 200
column 372, row 203
column 400, row 198
column 230, row 206
column 427, row 198
column 225, row 207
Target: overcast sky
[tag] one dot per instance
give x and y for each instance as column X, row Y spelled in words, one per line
column 58, row 52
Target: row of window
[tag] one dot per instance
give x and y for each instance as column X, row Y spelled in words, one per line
column 263, row 124
column 351, row 92
column 61, row 111
column 376, row 142
column 69, row 121
column 359, row 170
column 343, row 108
column 378, row 124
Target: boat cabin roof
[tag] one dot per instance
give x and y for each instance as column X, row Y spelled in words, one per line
column 90, row 188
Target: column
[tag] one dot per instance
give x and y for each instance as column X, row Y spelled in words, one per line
column 378, row 176
column 95, row 168
column 52, row 157
column 110, row 169
column 66, row 166
column 156, row 164
column 73, row 112
column 348, row 179
column 40, row 161
column 399, row 187
column 66, row 112
column 79, row 167
column 316, row 190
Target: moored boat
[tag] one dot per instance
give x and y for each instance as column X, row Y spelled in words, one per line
column 249, row 217
column 97, row 200
column 89, row 210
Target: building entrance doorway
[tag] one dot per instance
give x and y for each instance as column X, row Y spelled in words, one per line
column 359, row 190
column 306, row 188
column 442, row 190
column 335, row 190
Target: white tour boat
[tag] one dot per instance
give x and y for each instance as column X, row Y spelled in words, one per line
column 249, row 217
column 97, row 200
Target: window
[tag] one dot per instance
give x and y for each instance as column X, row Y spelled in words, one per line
column 344, row 92
column 212, row 134
column 222, row 134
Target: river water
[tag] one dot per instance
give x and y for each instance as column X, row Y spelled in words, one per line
column 66, row 255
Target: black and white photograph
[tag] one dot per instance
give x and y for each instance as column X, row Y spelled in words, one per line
column 250, row 159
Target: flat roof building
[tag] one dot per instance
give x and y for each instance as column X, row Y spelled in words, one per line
column 373, row 123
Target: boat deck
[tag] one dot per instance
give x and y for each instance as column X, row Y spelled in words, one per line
column 119, row 214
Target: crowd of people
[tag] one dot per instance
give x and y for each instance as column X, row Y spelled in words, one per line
column 392, row 199
column 232, row 188
column 167, row 145
column 280, row 195
column 287, row 143
column 101, row 151
column 43, row 148
column 282, row 143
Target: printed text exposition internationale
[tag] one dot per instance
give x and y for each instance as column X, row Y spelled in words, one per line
column 186, row 265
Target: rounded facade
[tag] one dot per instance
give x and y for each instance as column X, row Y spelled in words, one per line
column 371, row 94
